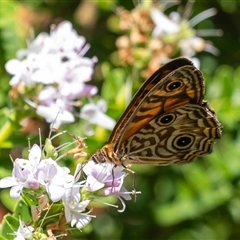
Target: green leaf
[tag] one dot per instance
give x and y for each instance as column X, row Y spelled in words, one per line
column 106, row 5
column 6, row 200
column 9, row 225
column 114, row 80
column 22, row 210
column 222, row 84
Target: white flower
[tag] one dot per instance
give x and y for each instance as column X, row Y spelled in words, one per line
column 190, row 46
column 54, row 178
column 48, row 95
column 37, row 172
column 190, row 41
column 75, row 209
column 55, row 113
column 104, row 176
column 74, row 90
column 65, row 38
column 37, row 45
column 23, row 174
column 55, row 61
column 108, row 179
column 22, row 71
column 97, row 175
column 77, row 215
column 163, row 25
column 16, row 182
column 94, row 114
column 72, row 190
column 49, row 69
column 24, row 232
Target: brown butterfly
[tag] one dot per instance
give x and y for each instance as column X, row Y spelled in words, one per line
column 167, row 121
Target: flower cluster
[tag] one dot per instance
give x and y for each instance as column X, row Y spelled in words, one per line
column 152, row 36
column 52, row 74
column 42, row 180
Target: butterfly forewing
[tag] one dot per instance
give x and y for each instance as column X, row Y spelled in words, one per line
column 172, row 96
column 180, row 87
column 140, row 100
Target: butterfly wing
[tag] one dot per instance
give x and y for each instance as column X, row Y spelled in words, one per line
column 167, row 121
column 177, row 136
column 176, row 83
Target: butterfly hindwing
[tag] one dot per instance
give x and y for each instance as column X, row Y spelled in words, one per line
column 177, row 136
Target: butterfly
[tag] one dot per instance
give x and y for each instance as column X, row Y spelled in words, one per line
column 167, row 121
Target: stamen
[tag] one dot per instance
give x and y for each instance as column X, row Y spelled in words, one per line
column 108, row 204
column 52, row 124
column 29, row 144
column 209, row 32
column 40, row 138
column 123, row 205
column 84, row 50
column 210, row 48
column 11, row 158
column 202, row 16
column 45, row 215
column 188, row 9
column 30, row 103
column 60, row 235
column 167, row 4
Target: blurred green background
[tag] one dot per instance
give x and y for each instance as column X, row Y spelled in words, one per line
column 197, row 201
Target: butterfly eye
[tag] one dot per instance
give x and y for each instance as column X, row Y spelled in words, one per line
column 167, row 119
column 183, row 141
column 174, row 85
